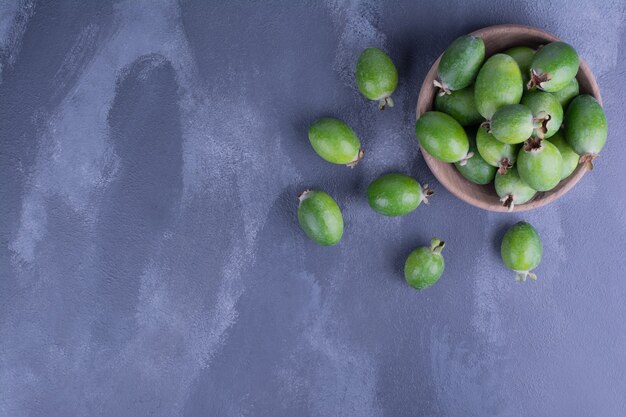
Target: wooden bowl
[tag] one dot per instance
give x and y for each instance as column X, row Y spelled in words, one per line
column 497, row 39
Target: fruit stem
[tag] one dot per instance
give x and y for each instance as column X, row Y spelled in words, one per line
column 436, row 245
column 487, row 125
column 426, row 192
column 536, row 80
column 587, row 160
column 304, row 195
column 356, row 160
column 504, row 165
column 540, row 124
column 385, row 102
column 520, row 276
column 533, row 144
column 507, row 201
column 443, row 88
column 463, row 161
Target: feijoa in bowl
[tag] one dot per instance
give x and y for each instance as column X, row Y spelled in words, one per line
column 499, row 39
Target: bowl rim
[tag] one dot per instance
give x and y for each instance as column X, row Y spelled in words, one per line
column 541, row 199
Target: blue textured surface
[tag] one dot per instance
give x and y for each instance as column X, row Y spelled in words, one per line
column 151, row 262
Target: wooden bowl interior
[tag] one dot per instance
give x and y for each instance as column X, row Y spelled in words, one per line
column 498, row 39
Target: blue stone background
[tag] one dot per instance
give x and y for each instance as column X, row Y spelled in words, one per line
column 151, row 263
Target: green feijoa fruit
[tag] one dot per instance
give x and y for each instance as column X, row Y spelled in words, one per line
column 320, row 217
column 553, row 66
column 567, row 93
column 335, row 141
column 495, row 153
column 396, row 194
column 460, row 63
column 523, row 55
column 425, row 265
column 460, row 105
column 476, row 170
column 540, row 164
column 586, row 128
column 512, row 123
column 570, row 158
column 499, row 83
column 376, row 76
column 547, row 112
column 512, row 190
column 521, row 250
column 442, row 137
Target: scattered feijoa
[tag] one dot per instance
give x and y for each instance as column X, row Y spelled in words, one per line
column 335, row 141
column 424, row 266
column 376, row 76
column 521, row 250
column 396, row 194
column 320, row 217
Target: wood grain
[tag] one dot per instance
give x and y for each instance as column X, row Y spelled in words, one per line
column 497, row 39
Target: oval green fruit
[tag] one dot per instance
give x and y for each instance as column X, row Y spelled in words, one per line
column 320, row 217
column 460, row 105
column 396, row 194
column 570, row 158
column 460, row 63
column 376, row 76
column 512, row 190
column 553, row 66
column 521, row 250
column 546, row 110
column 523, row 55
column 476, row 170
column 495, row 153
column 424, row 266
column 512, row 124
column 335, row 141
column 540, row 164
column 567, row 93
column 586, row 128
column 442, row 137
column 499, row 82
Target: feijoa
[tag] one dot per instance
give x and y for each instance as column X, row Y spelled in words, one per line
column 570, row 158
column 512, row 123
column 499, row 82
column 523, row 55
column 547, row 112
column 396, row 194
column 512, row 190
column 320, row 217
column 540, row 164
column 460, row 105
column 476, row 170
column 495, row 153
column 567, row 93
column 460, row 63
column 521, row 250
column 586, row 128
column 335, row 141
column 424, row 266
column 442, row 137
column 376, row 76
column 553, row 67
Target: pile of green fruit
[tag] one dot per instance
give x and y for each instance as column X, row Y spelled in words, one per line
column 514, row 101
column 515, row 119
